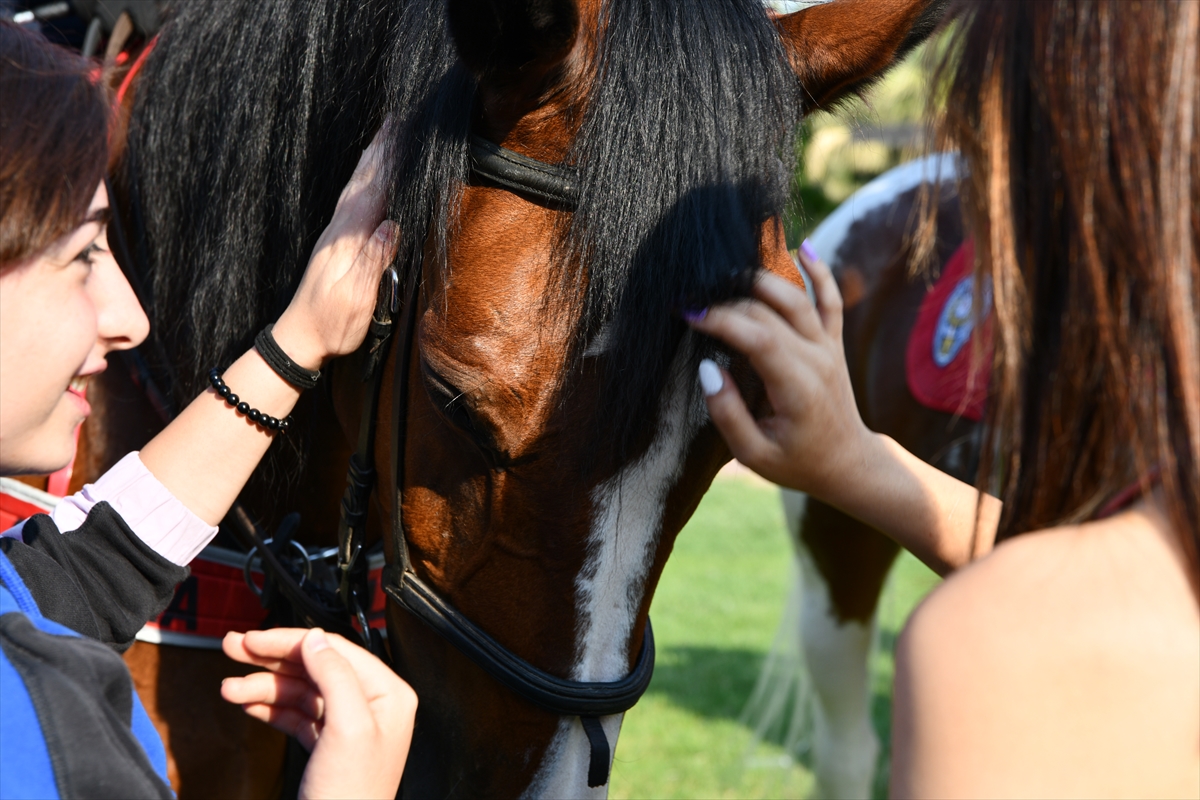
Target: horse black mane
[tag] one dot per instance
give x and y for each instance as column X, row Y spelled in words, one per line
column 685, row 150
column 252, row 113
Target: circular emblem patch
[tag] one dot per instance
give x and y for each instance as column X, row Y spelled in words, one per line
column 955, row 322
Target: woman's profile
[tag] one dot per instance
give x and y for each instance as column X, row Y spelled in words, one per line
column 76, row 586
column 1065, row 660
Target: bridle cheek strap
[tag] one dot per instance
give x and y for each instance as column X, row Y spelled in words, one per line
column 584, row 699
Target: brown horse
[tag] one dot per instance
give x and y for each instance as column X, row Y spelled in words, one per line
column 555, row 439
column 869, row 244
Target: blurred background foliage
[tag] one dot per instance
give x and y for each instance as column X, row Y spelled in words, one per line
column 842, row 150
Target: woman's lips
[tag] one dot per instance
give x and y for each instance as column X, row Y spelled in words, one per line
column 78, row 392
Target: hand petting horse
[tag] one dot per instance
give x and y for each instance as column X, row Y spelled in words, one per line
column 907, row 337
column 570, row 178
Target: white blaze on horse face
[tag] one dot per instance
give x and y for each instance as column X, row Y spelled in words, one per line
column 828, row 237
column 625, row 532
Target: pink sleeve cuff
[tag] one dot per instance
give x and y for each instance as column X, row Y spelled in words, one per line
column 148, row 508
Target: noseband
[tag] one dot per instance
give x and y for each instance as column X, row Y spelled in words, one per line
column 555, row 187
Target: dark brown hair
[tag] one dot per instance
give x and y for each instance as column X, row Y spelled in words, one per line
column 1080, row 126
column 53, row 142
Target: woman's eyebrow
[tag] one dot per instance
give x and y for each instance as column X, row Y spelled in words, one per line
column 100, row 215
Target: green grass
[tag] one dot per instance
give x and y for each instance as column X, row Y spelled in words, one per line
column 715, row 615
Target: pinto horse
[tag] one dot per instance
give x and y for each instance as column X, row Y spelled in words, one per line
column 540, row 438
column 869, row 243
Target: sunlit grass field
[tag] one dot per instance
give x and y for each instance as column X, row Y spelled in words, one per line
column 715, row 615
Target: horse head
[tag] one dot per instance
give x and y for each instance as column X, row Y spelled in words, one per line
column 554, row 440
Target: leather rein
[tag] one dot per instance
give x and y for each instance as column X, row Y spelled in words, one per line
column 555, row 187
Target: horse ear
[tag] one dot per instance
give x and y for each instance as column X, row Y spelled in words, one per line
column 513, row 41
column 840, row 47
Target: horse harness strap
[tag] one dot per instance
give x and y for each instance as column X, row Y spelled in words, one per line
column 557, row 187
column 552, row 185
column 587, row 700
column 353, row 585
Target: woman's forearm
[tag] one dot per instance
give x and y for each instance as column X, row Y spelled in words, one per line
column 922, row 508
column 207, row 453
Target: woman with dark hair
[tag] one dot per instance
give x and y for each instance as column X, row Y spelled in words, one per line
column 1066, row 660
column 110, row 557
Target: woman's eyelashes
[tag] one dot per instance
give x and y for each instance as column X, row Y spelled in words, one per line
column 86, row 255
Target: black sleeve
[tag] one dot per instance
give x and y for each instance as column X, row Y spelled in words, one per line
column 83, row 696
column 100, row 580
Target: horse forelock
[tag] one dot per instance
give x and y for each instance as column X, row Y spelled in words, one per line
column 684, row 152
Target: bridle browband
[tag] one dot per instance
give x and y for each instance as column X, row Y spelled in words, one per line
column 556, row 187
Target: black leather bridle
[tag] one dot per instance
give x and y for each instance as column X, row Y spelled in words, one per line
column 556, row 187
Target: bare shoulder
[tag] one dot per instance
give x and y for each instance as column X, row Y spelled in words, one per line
column 1067, row 662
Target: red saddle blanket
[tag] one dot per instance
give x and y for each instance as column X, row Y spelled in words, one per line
column 944, row 371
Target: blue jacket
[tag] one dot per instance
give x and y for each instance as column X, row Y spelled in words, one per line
column 71, row 724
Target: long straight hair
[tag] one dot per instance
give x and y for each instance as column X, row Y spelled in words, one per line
column 1080, row 124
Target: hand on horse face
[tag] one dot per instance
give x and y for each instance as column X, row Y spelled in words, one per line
column 331, row 310
column 814, row 438
column 349, row 710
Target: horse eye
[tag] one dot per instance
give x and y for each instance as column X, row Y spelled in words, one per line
column 451, row 403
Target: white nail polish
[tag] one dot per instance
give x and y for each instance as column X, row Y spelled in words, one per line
column 711, row 380
column 808, row 283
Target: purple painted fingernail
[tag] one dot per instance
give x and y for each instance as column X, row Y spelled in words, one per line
column 808, row 251
column 695, row 315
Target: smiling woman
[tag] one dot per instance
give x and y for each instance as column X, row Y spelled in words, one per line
column 78, row 278
column 53, row 253
column 76, row 586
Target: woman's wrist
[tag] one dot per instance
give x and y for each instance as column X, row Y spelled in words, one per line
column 209, row 432
column 848, row 471
column 299, row 341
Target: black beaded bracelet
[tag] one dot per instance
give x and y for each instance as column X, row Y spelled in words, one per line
column 278, row 360
column 264, row 421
